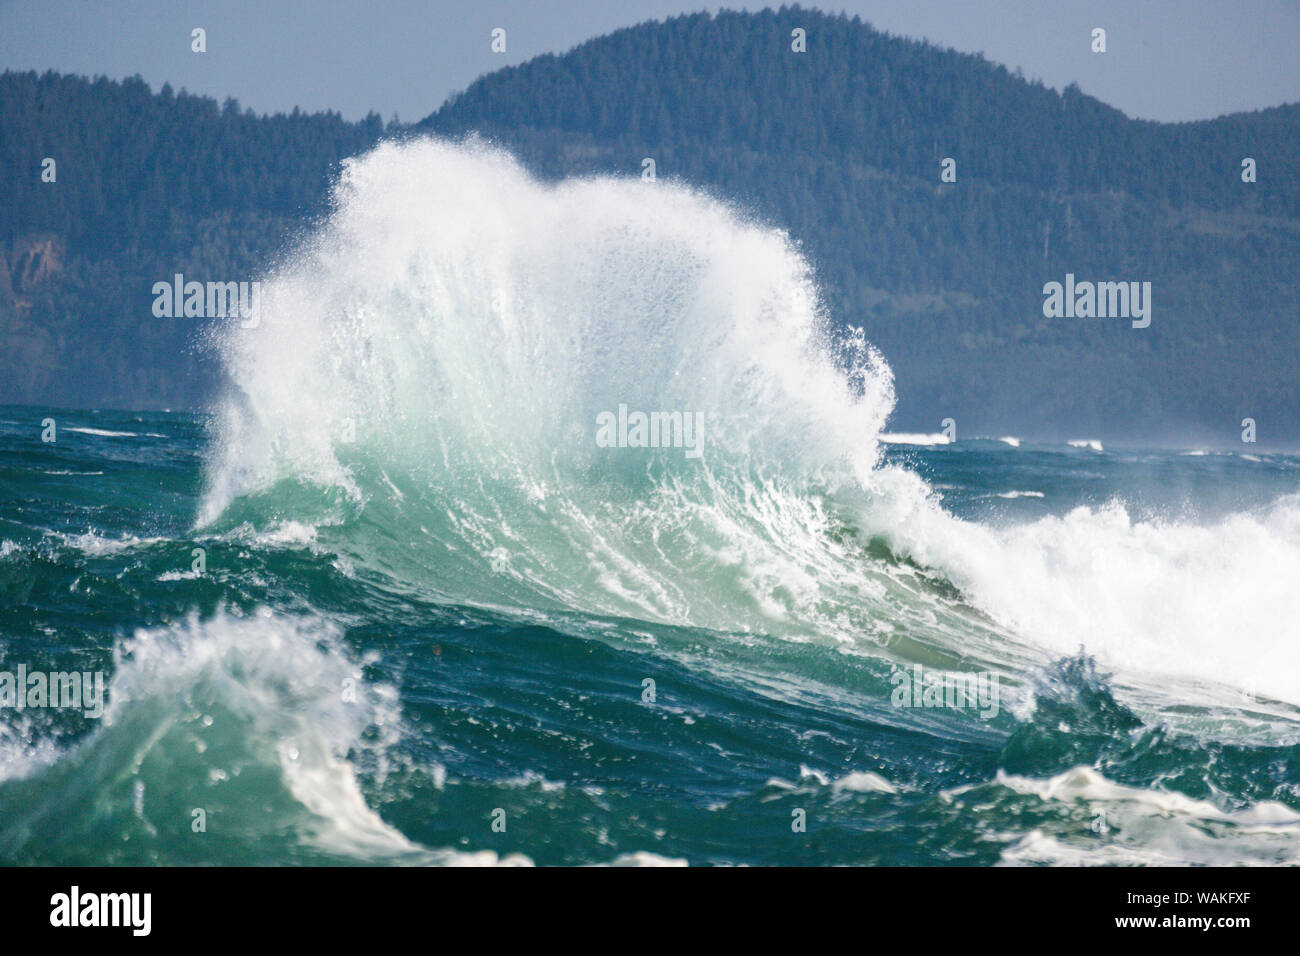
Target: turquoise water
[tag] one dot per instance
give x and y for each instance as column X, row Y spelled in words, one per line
column 226, row 693
column 398, row 598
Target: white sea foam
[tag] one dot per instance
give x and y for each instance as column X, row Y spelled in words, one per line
column 100, row 432
column 1146, row 826
column 1213, row 602
column 645, row 858
column 915, row 438
column 863, row 781
column 93, row 544
column 170, row 576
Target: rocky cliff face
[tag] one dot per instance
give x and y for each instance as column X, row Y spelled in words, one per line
column 33, row 261
column 6, row 283
column 28, row 351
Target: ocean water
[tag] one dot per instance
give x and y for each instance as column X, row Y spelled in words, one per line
column 392, row 602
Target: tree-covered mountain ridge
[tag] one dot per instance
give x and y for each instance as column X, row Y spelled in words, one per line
column 843, row 145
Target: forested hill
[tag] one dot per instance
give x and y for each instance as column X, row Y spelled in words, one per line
column 842, row 145
column 143, row 186
column 864, row 97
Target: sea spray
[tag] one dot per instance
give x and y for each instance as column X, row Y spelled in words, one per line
column 470, row 324
column 431, row 362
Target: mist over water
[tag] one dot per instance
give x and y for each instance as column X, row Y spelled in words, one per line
column 403, row 494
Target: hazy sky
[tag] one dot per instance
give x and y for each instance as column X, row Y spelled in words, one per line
column 1166, row 59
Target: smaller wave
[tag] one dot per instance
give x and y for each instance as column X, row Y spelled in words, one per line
column 1020, row 494
column 1091, row 443
column 264, row 721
